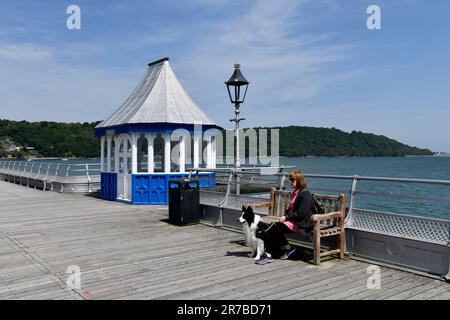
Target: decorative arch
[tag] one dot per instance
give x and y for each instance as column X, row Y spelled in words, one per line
column 124, row 148
column 158, row 156
column 142, row 154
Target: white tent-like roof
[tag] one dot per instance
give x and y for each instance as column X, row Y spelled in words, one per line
column 158, row 98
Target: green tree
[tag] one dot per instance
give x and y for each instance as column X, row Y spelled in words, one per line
column 51, row 139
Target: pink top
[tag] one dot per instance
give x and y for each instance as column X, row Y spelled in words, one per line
column 293, row 197
column 290, row 224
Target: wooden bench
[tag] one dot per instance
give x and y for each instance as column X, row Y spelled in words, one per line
column 328, row 225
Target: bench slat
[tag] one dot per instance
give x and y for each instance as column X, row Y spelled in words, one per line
column 325, row 216
column 330, row 252
column 330, row 232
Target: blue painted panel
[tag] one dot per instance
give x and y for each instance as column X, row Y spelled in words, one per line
column 158, row 189
column 108, row 190
column 141, row 190
column 146, row 188
column 149, row 189
column 153, row 188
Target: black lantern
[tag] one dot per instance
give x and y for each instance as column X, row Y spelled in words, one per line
column 234, row 85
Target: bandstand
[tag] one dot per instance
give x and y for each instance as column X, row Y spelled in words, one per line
column 159, row 116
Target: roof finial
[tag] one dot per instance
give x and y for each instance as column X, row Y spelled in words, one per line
column 158, row 61
column 237, row 65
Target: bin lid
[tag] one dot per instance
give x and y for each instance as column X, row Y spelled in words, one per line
column 184, row 181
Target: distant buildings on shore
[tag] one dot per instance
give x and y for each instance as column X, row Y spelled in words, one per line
column 442, row 154
column 13, row 147
column 10, row 149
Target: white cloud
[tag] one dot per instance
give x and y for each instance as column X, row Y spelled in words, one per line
column 34, row 86
column 291, row 62
column 285, row 64
column 24, row 52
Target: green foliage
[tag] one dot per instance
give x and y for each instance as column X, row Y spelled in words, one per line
column 51, row 139
column 298, row 141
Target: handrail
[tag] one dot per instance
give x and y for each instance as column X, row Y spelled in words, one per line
column 386, row 179
column 10, row 165
column 56, row 171
column 352, row 189
column 50, row 174
column 88, row 177
column 242, row 170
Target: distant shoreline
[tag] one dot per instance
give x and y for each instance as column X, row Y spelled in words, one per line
column 281, row 157
column 21, row 139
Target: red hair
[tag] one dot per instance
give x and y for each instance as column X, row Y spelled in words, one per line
column 299, row 177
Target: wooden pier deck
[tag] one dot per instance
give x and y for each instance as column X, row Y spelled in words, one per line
column 130, row 252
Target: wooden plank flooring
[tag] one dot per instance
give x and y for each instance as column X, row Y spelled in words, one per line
column 130, row 252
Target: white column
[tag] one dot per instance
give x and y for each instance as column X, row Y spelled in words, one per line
column 102, row 156
column 150, row 159
column 167, row 153
column 213, row 153
column 182, row 154
column 208, row 153
column 116, row 153
column 196, row 150
column 134, row 159
column 108, row 153
column 125, row 156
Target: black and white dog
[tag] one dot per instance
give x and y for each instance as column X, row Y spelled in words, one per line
column 251, row 224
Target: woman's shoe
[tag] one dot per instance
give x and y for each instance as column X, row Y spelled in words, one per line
column 287, row 254
column 264, row 259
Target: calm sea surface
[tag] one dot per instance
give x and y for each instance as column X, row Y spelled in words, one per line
column 405, row 198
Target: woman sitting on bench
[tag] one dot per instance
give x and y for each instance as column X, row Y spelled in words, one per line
column 296, row 220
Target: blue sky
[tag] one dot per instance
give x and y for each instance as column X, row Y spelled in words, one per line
column 310, row 62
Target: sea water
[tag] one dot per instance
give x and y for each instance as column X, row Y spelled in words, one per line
column 404, row 198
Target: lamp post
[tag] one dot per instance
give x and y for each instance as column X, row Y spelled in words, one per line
column 234, row 85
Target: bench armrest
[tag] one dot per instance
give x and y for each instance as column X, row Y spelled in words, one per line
column 261, row 205
column 327, row 216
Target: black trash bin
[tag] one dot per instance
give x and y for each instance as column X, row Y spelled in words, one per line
column 184, row 201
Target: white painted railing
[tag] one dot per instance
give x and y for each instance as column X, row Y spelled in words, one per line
column 57, row 176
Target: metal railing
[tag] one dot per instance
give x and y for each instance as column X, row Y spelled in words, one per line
column 279, row 180
column 58, row 176
column 380, row 197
